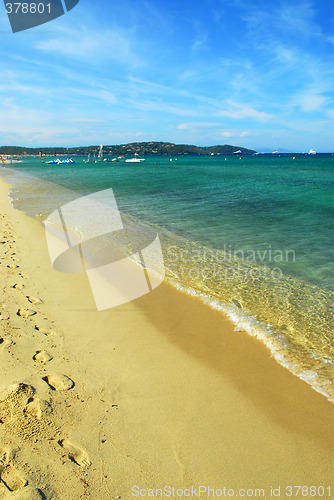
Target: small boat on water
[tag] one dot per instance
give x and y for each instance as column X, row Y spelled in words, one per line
column 312, row 152
column 56, row 161
column 100, row 153
column 135, row 160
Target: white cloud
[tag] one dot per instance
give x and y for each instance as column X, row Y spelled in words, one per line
column 235, row 134
column 84, row 120
column 227, row 134
column 88, row 45
column 312, row 102
column 199, row 44
column 98, row 94
column 163, row 107
column 17, row 87
column 239, row 111
column 196, row 125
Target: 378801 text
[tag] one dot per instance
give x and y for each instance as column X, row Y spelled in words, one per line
column 308, row 491
column 26, row 8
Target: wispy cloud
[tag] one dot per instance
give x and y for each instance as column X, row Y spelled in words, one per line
column 81, row 44
column 102, row 95
column 283, row 20
column 160, row 106
column 235, row 134
column 197, row 125
column 311, row 101
column 83, row 120
column 240, row 111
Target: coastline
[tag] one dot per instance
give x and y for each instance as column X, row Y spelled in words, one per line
column 166, row 391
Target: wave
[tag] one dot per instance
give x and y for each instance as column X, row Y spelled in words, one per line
column 292, row 317
column 277, row 344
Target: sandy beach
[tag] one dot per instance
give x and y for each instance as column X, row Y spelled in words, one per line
column 158, row 392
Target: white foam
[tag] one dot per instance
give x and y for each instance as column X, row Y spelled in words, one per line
column 276, row 343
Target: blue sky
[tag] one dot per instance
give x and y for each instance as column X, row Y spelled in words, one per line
column 253, row 73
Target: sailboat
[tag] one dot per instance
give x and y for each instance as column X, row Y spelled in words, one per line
column 100, row 154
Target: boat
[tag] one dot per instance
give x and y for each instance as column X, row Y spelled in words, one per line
column 56, row 161
column 108, row 160
column 135, row 160
column 312, row 152
column 237, row 152
column 100, row 154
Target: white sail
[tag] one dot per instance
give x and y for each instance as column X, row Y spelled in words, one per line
column 100, row 155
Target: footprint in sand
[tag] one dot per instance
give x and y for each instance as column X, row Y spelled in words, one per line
column 11, row 479
column 37, row 407
column 3, row 316
column 21, row 412
column 26, row 313
column 4, row 457
column 59, row 382
column 27, row 493
column 13, row 400
column 33, row 300
column 4, row 343
column 45, row 331
column 18, row 286
column 75, row 453
column 42, row 357
column 12, row 266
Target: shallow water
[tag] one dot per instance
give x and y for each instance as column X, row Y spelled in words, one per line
column 252, row 236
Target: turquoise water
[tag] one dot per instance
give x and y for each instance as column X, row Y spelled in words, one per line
column 251, row 235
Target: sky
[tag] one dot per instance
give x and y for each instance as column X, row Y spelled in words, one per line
column 253, row 73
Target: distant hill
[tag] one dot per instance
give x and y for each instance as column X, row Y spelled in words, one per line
column 142, row 148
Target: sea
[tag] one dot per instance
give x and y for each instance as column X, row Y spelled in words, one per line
column 251, row 236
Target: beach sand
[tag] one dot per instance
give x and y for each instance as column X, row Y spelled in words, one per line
column 160, row 391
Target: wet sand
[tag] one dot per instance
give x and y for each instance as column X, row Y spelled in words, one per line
column 160, row 391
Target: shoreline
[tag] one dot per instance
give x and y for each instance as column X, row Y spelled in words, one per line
column 166, row 391
column 240, row 300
